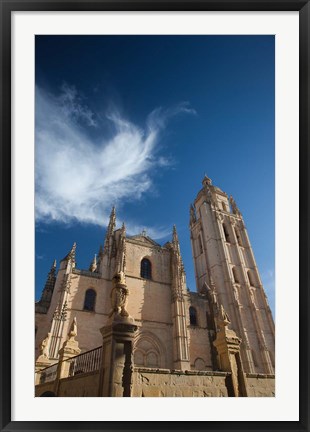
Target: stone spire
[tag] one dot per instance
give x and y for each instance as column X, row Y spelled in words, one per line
column 175, row 239
column 93, row 265
column 110, row 230
column 47, row 292
column 176, row 247
column 71, row 255
column 120, row 264
column 179, row 306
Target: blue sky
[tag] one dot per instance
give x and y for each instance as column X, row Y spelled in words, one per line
column 136, row 122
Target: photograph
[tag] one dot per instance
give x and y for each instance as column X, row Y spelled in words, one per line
column 154, row 216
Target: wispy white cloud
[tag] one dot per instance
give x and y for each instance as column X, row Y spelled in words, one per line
column 78, row 179
column 72, row 106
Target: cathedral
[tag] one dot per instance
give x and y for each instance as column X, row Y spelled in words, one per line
column 129, row 327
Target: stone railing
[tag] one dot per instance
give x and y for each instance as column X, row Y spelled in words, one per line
column 80, row 364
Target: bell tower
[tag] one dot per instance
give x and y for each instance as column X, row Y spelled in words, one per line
column 225, row 266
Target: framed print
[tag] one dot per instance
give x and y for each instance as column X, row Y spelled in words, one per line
column 154, row 215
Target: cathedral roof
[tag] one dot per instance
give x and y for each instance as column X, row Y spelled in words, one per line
column 142, row 238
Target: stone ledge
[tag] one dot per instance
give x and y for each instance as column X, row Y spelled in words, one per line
column 86, row 273
column 266, row 376
column 179, row 372
column 79, row 375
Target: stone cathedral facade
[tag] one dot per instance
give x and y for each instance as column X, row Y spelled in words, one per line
column 128, row 325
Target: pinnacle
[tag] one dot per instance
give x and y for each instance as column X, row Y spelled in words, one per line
column 71, row 254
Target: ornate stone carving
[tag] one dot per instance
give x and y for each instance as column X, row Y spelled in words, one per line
column 234, row 206
column 219, row 217
column 93, row 265
column 44, row 347
column 119, row 295
column 236, row 294
column 73, row 329
column 70, row 346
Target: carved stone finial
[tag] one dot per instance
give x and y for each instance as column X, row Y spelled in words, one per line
column 73, row 329
column 71, row 254
column 93, row 265
column 112, row 220
column 175, row 238
column 223, row 318
column 110, row 230
column 71, row 346
column 44, row 347
column 234, row 206
column 206, row 181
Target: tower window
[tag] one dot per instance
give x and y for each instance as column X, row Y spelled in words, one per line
column 238, row 236
column 226, row 234
column 146, row 269
column 192, row 316
column 90, row 300
column 250, row 277
column 235, row 275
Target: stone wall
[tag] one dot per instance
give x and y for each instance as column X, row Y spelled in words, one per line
column 260, row 385
column 42, row 388
column 85, row 385
column 167, row 383
column 149, row 382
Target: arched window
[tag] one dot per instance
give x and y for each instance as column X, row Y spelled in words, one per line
column 250, row 277
column 90, row 300
column 235, row 275
column 226, row 234
column 192, row 316
column 238, row 237
column 146, row 269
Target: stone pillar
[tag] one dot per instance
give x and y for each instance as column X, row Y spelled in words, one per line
column 227, row 344
column 117, row 357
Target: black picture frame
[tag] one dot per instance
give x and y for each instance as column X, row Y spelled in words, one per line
column 7, row 7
